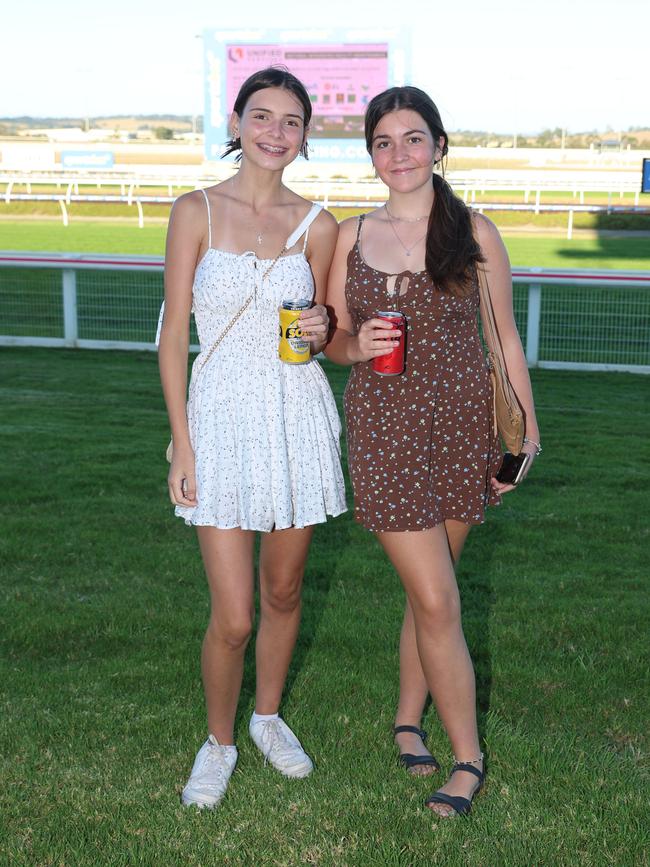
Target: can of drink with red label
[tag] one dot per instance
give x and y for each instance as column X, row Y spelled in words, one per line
column 392, row 364
column 292, row 348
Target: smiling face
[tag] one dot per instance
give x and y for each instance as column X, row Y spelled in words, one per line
column 271, row 128
column 404, row 150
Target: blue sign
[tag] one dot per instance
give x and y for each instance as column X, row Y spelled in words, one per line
column 645, row 176
column 342, row 69
column 87, row 159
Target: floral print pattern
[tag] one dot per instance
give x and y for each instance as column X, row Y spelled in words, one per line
column 421, row 445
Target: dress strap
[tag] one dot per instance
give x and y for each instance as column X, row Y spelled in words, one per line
column 359, row 225
column 303, row 228
column 207, row 204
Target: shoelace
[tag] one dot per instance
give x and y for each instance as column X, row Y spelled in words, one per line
column 274, row 737
column 215, row 761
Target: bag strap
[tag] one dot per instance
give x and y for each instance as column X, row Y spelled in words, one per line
column 241, row 310
column 491, row 331
column 224, row 332
column 492, row 339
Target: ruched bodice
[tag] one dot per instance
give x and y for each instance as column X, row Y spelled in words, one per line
column 222, row 283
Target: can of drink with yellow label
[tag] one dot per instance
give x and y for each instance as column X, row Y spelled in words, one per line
column 292, row 348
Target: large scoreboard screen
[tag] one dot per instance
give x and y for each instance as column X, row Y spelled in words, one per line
column 341, row 73
column 340, row 79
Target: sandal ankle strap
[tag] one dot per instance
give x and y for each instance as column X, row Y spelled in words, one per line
column 414, row 730
column 464, row 766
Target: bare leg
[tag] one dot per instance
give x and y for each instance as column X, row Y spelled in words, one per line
column 423, row 562
column 283, row 554
column 228, row 560
column 413, row 690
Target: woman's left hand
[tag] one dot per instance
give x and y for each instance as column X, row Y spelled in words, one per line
column 500, row 488
column 314, row 324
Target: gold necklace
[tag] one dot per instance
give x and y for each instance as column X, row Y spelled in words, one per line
column 405, row 219
column 407, row 250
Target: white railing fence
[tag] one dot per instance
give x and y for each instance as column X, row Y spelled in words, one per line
column 68, row 199
column 569, row 319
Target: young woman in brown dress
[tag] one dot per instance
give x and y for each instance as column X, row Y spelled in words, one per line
column 422, row 450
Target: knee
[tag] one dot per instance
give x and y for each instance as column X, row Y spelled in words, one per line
column 281, row 593
column 439, row 611
column 233, row 631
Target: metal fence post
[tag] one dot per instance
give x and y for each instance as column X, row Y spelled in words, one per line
column 70, row 325
column 532, row 323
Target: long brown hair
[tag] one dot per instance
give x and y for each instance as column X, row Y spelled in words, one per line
column 452, row 251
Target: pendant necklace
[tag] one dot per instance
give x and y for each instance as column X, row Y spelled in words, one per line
column 407, row 250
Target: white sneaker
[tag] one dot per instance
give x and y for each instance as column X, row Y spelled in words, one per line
column 211, row 771
column 280, row 747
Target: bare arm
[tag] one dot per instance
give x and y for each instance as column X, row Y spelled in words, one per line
column 184, row 237
column 497, row 268
column 320, row 249
column 345, row 346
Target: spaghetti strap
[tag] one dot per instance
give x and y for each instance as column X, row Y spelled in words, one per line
column 207, row 204
column 315, row 211
column 295, row 236
column 360, row 223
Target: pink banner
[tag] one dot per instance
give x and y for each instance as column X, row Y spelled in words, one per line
column 340, row 79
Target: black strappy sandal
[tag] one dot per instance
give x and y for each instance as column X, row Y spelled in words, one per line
column 462, row 806
column 408, row 760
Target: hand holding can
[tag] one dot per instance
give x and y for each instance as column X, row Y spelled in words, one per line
column 293, row 348
column 314, row 323
column 392, row 364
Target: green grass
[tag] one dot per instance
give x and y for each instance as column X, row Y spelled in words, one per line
column 525, row 251
column 103, row 605
column 90, row 237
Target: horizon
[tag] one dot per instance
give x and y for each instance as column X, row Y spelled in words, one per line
column 189, row 118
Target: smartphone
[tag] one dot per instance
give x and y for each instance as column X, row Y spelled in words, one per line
column 513, row 468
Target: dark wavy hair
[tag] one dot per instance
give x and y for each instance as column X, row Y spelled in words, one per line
column 272, row 76
column 452, row 251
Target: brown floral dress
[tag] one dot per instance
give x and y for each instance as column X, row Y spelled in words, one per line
column 421, row 445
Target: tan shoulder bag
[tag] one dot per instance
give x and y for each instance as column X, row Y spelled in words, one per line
column 509, row 420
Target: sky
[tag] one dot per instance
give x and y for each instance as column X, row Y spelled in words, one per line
column 502, row 66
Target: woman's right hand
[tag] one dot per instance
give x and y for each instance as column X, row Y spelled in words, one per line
column 372, row 340
column 181, row 479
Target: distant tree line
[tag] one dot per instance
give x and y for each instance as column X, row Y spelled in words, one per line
column 165, row 127
column 635, row 137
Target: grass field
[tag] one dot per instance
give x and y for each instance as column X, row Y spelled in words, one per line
column 104, row 604
column 155, row 214
column 525, row 250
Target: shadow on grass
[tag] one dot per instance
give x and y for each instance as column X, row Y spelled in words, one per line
column 619, row 236
column 476, row 585
column 329, row 538
column 474, row 576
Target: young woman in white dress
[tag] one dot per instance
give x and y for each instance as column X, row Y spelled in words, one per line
column 256, row 445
